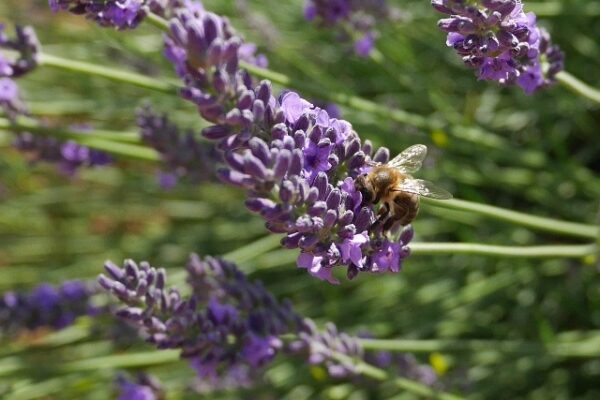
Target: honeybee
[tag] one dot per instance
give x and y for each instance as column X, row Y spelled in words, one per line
column 394, row 186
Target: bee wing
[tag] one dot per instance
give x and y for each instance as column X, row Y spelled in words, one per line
column 423, row 188
column 410, row 160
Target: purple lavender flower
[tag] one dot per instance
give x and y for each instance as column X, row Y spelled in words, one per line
column 503, row 43
column 27, row 47
column 121, row 14
column 68, row 156
column 228, row 321
column 10, row 98
column 296, row 161
column 45, row 306
column 355, row 19
column 143, row 387
column 183, row 154
column 228, row 327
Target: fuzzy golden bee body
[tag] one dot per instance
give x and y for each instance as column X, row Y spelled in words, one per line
column 393, row 186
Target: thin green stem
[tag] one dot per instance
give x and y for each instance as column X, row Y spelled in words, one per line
column 100, row 140
column 588, row 349
column 552, row 251
column 146, row 82
column 519, row 218
column 578, row 87
column 128, row 360
column 373, row 372
column 157, row 21
column 31, row 125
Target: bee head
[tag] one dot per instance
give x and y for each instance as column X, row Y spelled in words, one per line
column 364, row 186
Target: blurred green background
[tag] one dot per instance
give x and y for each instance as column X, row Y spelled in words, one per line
column 538, row 154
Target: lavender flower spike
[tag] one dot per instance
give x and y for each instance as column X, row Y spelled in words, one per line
column 45, row 306
column 297, row 163
column 503, row 43
column 228, row 327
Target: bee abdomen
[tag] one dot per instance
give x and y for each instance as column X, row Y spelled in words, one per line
column 406, row 208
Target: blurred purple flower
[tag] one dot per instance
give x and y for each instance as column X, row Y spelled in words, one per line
column 295, row 160
column 10, row 98
column 501, row 41
column 355, row 20
column 182, row 153
column 144, row 387
column 26, row 45
column 68, row 156
column 46, row 306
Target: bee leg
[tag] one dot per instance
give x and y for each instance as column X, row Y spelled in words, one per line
column 390, row 223
column 382, row 215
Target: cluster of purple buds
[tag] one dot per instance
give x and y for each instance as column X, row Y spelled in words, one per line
column 356, row 19
column 143, row 387
column 228, row 328
column 296, row 162
column 227, row 322
column 121, row 14
column 182, row 153
column 501, row 41
column 45, row 306
column 27, row 48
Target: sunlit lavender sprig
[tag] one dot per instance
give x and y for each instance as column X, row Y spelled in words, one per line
column 229, row 325
column 182, row 153
column 45, row 306
column 142, row 387
column 297, row 163
column 501, row 41
column 27, row 48
column 355, row 20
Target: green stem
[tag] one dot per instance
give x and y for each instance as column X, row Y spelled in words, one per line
column 588, row 349
column 157, row 21
column 128, row 360
column 578, row 87
column 373, row 372
column 518, row 218
column 100, row 140
column 160, row 85
column 564, row 251
column 31, row 125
